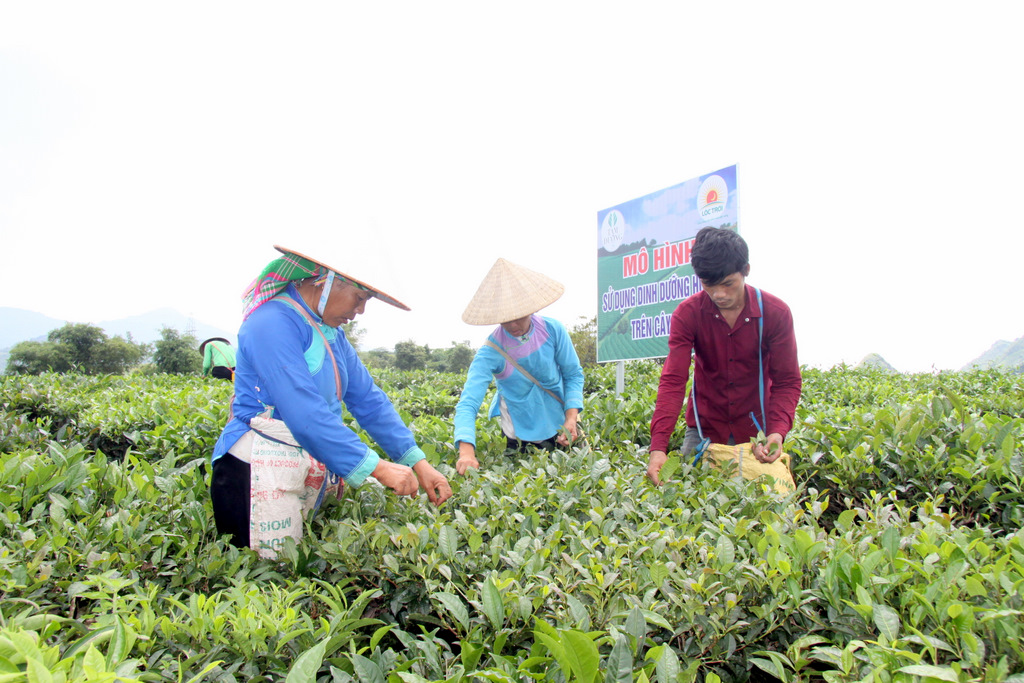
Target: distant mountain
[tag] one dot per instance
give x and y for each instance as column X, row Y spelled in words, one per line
column 1003, row 354
column 146, row 327
column 18, row 325
column 873, row 360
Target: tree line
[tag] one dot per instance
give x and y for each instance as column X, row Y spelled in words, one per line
column 408, row 355
column 86, row 349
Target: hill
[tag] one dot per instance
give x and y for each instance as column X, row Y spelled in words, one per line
column 146, row 327
column 17, row 325
column 874, row 360
column 1002, row 354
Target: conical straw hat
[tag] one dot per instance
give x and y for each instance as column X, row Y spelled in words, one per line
column 380, row 294
column 202, row 347
column 510, row 292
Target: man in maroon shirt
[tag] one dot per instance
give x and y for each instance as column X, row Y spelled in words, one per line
column 720, row 326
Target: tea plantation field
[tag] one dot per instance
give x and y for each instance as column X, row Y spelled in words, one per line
column 899, row 558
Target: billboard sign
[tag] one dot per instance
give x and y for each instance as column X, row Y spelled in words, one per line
column 643, row 261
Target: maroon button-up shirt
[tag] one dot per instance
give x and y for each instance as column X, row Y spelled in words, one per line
column 725, row 374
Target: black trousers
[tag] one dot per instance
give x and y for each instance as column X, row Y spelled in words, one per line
column 229, row 491
column 513, row 446
column 221, row 372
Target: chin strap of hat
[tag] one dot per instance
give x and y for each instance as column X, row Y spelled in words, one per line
column 325, row 294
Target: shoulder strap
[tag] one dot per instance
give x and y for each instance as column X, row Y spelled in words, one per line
column 518, row 367
column 312, row 323
column 760, row 359
column 704, row 442
column 760, row 376
column 220, row 352
column 760, row 363
column 693, row 399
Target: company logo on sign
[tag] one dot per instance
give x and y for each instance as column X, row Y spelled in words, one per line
column 612, row 230
column 711, row 198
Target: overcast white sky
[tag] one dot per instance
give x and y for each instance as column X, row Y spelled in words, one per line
column 152, row 153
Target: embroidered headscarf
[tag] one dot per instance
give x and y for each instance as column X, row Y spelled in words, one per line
column 288, row 268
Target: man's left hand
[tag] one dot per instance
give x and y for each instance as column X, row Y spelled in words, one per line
column 768, row 453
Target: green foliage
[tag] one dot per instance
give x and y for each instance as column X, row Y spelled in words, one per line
column 76, row 347
column 584, row 340
column 176, row 353
column 410, row 356
column 354, row 333
column 116, row 356
column 900, row 557
column 378, row 358
column 35, row 358
column 455, row 359
column 77, row 340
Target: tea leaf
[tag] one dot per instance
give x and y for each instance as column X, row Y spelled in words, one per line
column 493, row 605
column 659, row 572
column 777, row 664
column 470, row 654
column 942, row 673
column 669, row 469
column 619, row 664
column 725, row 550
column 580, row 615
column 557, row 651
column 582, row 654
column 636, row 626
column 307, row 665
column 448, row 541
column 455, row 607
column 887, row 621
column 667, row 668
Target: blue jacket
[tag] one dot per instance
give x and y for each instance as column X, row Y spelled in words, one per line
column 282, row 363
column 549, row 356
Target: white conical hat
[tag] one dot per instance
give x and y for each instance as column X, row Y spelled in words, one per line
column 510, row 292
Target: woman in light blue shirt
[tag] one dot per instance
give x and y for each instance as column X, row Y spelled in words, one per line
column 530, row 357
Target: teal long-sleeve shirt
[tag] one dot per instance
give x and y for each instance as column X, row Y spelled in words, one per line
column 548, row 355
column 282, row 362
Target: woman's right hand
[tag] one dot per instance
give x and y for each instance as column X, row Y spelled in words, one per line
column 467, row 458
column 399, row 478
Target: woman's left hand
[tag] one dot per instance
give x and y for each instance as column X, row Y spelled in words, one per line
column 433, row 482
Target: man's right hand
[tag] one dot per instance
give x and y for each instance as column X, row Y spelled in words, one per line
column 399, row 478
column 467, row 458
column 654, row 463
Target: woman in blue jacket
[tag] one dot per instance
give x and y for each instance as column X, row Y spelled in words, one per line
column 286, row 445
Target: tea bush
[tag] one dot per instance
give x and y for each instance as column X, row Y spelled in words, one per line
column 899, row 558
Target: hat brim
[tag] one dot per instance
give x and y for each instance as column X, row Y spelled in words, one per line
column 211, row 339
column 378, row 293
column 510, row 292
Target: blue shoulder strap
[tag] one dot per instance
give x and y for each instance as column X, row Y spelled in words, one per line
column 760, row 363
column 704, row 441
column 760, row 382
